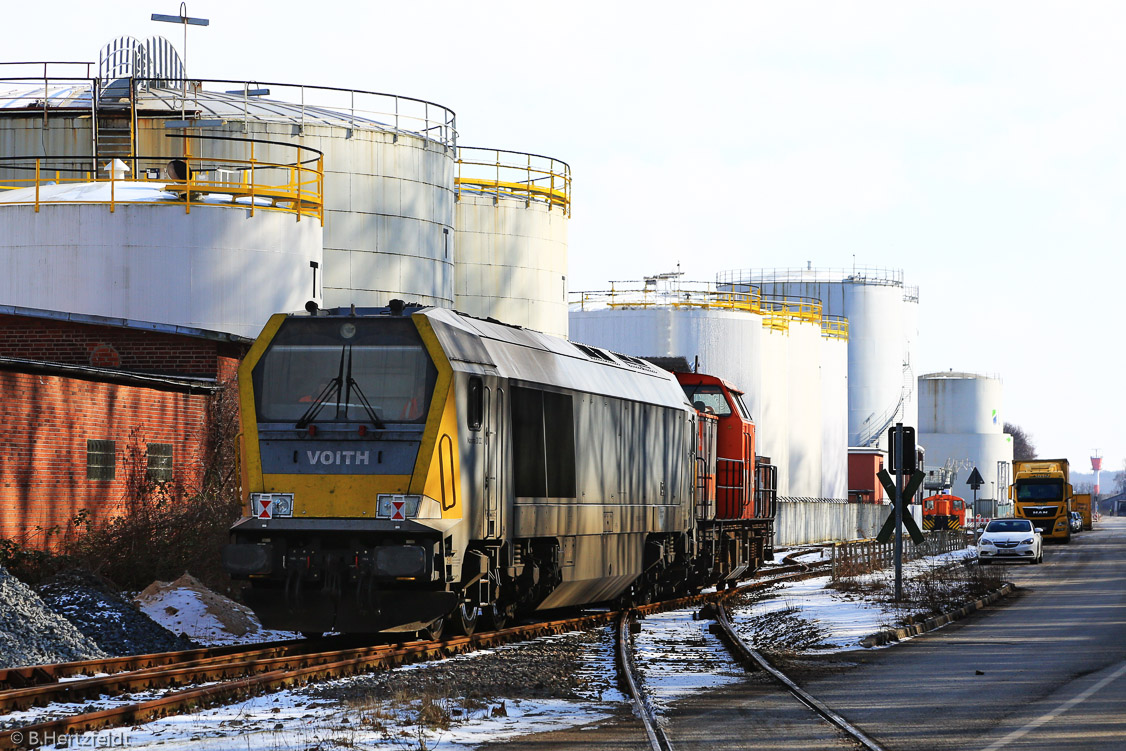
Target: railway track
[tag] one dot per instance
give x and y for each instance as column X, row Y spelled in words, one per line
column 234, row 672
column 630, row 677
column 631, row 682
column 754, row 660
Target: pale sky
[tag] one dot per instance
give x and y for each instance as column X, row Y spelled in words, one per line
column 978, row 146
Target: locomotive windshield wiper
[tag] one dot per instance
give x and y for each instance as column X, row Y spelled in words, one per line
column 332, row 388
column 352, row 385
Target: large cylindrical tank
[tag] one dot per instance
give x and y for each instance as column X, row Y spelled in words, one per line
column 804, row 421
column 777, row 359
column 961, row 426
column 510, row 241
column 882, row 318
column 728, row 343
column 217, row 268
column 834, row 413
column 960, row 403
column 388, row 163
column 773, row 402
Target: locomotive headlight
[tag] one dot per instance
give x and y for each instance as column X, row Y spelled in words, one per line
column 283, row 504
column 347, row 330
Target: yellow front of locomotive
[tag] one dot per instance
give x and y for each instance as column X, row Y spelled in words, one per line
column 349, row 472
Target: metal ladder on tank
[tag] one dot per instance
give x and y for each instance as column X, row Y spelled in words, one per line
column 115, row 126
column 877, row 427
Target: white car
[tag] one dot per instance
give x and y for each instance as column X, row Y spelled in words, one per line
column 1010, row 539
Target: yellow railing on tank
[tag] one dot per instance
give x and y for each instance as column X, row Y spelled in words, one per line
column 777, row 312
column 834, row 327
column 251, row 183
column 514, row 175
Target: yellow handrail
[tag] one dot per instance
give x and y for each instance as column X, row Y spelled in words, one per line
column 777, row 312
column 511, row 174
column 299, row 192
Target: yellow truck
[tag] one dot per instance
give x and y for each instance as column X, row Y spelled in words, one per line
column 1041, row 492
column 1082, row 503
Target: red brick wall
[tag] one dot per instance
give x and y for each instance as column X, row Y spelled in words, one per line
column 46, row 422
column 71, row 343
column 862, row 480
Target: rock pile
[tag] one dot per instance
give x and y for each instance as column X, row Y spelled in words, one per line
column 117, row 625
column 32, row 634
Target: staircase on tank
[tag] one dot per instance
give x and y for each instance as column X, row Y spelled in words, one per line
column 114, row 131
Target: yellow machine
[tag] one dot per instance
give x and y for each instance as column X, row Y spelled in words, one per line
column 1041, row 492
column 1081, row 502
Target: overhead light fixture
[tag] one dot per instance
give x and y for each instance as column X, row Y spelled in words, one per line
column 181, row 18
column 184, row 20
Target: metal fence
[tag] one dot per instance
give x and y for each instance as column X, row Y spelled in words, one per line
column 865, row 556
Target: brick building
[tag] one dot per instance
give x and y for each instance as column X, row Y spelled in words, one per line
column 92, row 407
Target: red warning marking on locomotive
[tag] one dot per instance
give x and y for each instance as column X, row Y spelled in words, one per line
column 397, row 510
column 264, row 510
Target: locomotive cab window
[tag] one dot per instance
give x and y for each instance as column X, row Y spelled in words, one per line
column 742, row 406
column 345, row 370
column 543, row 443
column 710, row 396
column 475, row 398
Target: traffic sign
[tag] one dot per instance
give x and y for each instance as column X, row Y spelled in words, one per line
column 908, row 462
column 976, row 480
column 909, row 490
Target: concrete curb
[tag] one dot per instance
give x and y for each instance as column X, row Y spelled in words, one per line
column 915, row 627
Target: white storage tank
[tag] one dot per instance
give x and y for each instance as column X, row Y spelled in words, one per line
column 510, row 242
column 953, row 402
column 388, row 159
column 961, row 426
column 804, row 418
column 834, row 407
column 132, row 250
column 775, row 354
column 882, row 316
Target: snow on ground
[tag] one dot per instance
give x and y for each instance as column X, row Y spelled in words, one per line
column 844, row 619
column 677, row 655
column 187, row 607
column 293, row 720
column 288, row 721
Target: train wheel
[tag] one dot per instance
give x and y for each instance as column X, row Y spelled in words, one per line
column 495, row 617
column 434, row 631
column 464, row 619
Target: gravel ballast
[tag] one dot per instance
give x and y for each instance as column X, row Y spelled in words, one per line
column 117, row 625
column 31, row 633
column 547, row 668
